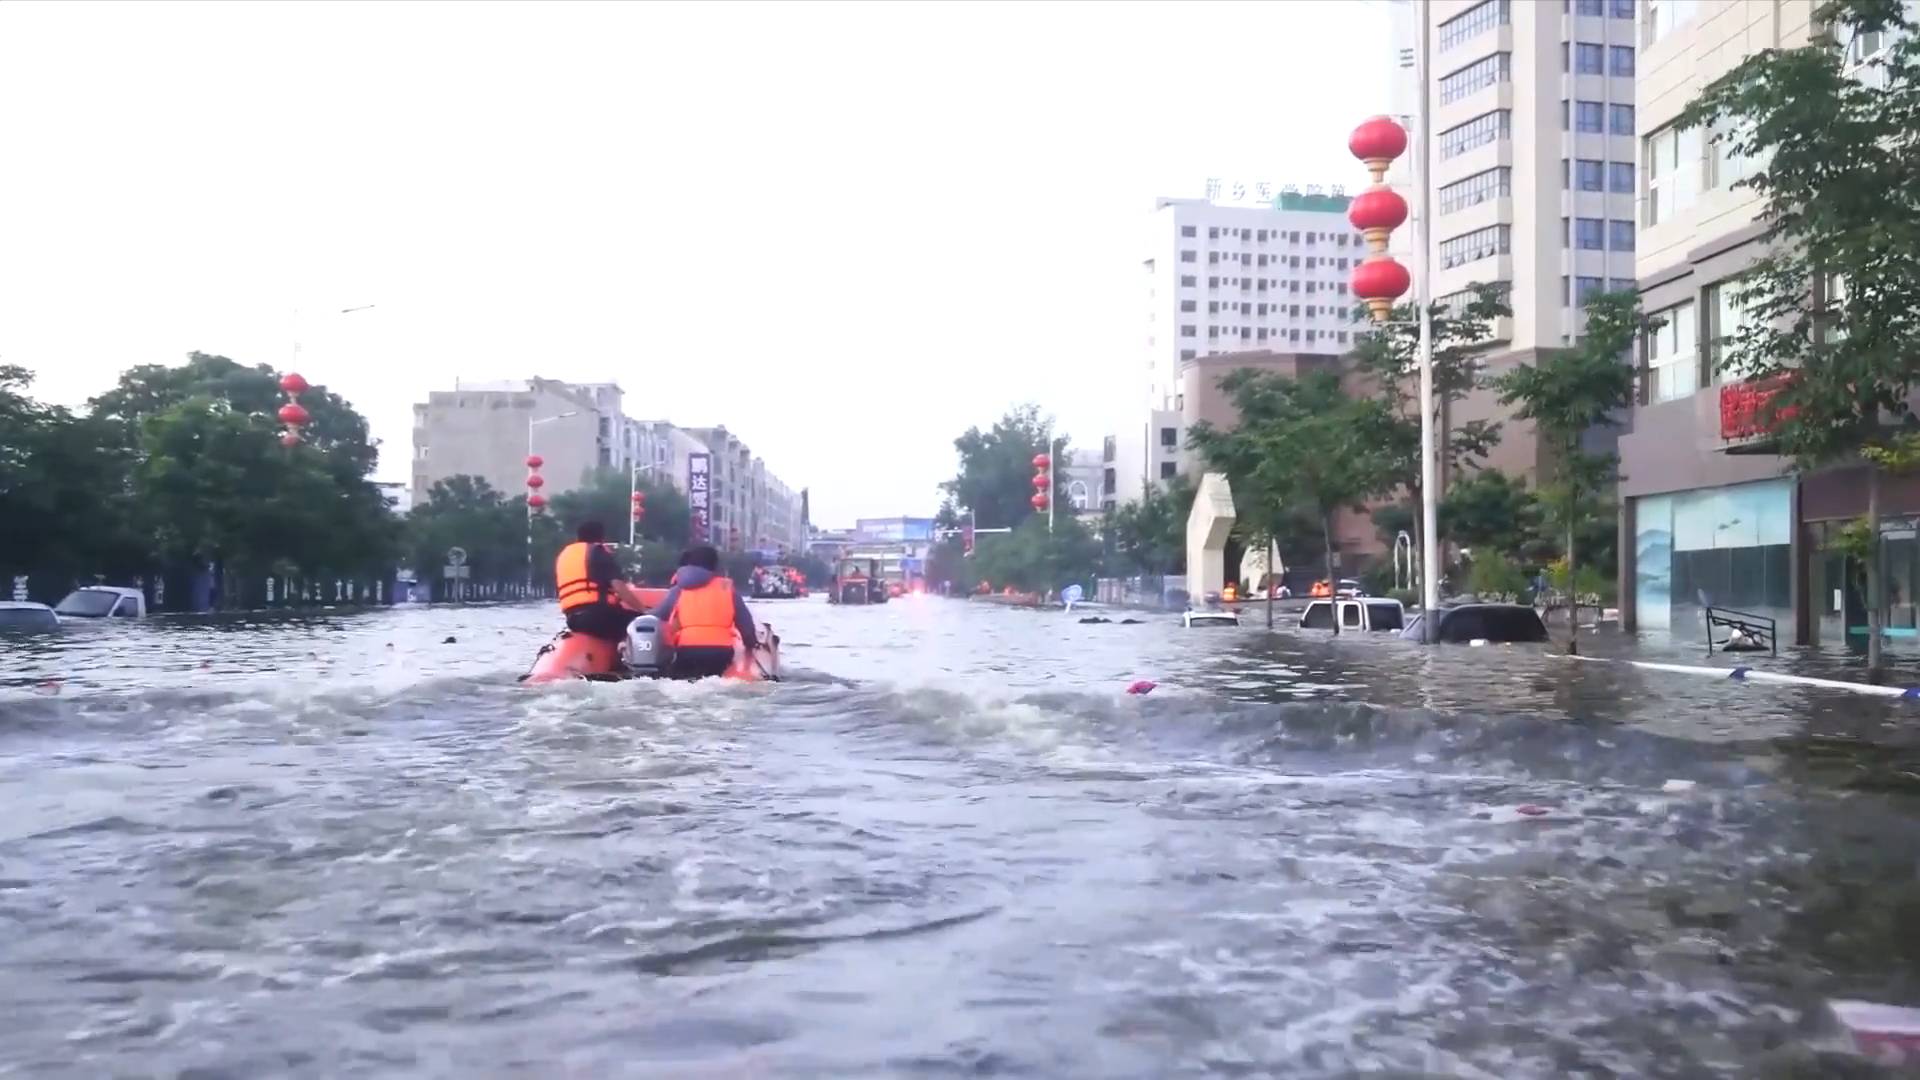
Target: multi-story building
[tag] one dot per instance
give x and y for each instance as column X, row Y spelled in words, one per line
column 485, row 430
column 1532, row 170
column 1706, row 508
column 1227, row 279
column 751, row 509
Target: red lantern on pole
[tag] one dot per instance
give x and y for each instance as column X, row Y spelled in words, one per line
column 534, row 461
column 639, row 505
column 293, row 414
column 1042, row 461
column 1039, row 501
column 1041, row 480
column 536, row 501
column 535, row 482
column 1376, row 212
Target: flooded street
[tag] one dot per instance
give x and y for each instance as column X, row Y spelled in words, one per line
column 948, row 845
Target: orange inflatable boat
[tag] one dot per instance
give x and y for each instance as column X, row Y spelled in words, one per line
column 643, row 655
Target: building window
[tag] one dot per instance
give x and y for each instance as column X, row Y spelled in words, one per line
column 1588, row 59
column 1727, row 318
column 1589, row 117
column 1478, row 244
column 1620, row 9
column 1187, row 330
column 1170, row 437
column 1619, row 235
column 1188, row 230
column 1167, row 469
column 1620, row 177
column 1673, row 362
column 1479, row 131
column 1187, row 305
column 1187, row 281
column 1589, row 234
column 1213, row 234
column 1673, row 172
column 1213, row 258
column 1566, row 114
column 1620, row 119
column 1590, row 175
column 1620, row 60
column 1213, row 283
column 1620, row 284
column 1476, row 20
column 1594, row 8
column 1586, row 288
column 1475, row 77
column 1664, row 15
column 1186, row 256
column 1476, row 189
column 1186, row 354
column 1725, row 165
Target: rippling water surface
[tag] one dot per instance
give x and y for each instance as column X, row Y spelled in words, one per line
column 949, row 845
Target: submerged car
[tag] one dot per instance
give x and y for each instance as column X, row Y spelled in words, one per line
column 20, row 616
column 1368, row 613
column 102, row 602
column 1462, row 624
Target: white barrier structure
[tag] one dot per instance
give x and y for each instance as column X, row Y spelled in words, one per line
column 1207, row 528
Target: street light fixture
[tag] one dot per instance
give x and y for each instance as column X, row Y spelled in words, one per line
column 531, row 508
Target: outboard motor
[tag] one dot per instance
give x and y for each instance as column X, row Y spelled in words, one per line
column 645, row 650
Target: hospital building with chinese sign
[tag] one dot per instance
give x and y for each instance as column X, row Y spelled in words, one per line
column 1253, row 267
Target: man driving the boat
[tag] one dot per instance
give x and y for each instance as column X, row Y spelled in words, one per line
column 594, row 598
column 700, row 615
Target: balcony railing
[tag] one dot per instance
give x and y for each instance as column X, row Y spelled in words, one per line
column 1747, row 412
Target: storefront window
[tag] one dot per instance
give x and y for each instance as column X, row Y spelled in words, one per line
column 1729, row 546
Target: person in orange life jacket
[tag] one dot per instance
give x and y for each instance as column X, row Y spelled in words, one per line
column 593, row 597
column 700, row 615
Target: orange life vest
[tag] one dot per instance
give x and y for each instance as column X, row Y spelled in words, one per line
column 703, row 617
column 570, row 578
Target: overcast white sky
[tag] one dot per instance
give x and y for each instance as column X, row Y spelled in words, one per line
column 846, row 231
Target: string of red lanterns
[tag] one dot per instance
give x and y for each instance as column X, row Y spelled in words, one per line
column 535, row 482
column 1376, row 212
column 1042, row 481
column 639, row 507
column 293, row 414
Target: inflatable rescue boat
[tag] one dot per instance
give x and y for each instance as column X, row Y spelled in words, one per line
column 643, row 655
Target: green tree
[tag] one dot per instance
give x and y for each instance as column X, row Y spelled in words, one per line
column 1150, row 536
column 605, row 496
column 466, row 512
column 995, row 480
column 1566, row 394
column 1388, row 358
column 1834, row 154
column 63, row 496
column 1033, row 558
column 1493, row 514
column 1300, row 444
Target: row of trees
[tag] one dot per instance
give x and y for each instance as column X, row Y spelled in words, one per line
column 178, row 469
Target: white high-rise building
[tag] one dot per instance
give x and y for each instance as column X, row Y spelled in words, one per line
column 1231, row 279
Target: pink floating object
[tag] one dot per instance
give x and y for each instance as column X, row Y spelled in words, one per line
column 1531, row 810
column 51, row 686
column 1888, row 1034
column 1144, row 686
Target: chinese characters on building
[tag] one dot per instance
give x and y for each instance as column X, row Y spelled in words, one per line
column 1261, row 192
column 699, row 494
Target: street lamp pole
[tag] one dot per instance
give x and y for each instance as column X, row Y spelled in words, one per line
column 531, row 509
column 1053, row 478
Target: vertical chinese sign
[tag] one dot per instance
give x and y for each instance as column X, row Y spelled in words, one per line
column 699, row 497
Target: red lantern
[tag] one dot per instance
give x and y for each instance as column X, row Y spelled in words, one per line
column 1380, row 281
column 536, row 481
column 292, row 383
column 1376, row 142
column 1039, row 500
column 534, row 461
column 1042, row 481
column 1376, row 212
column 289, row 438
column 536, row 500
column 1041, row 461
column 294, row 414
